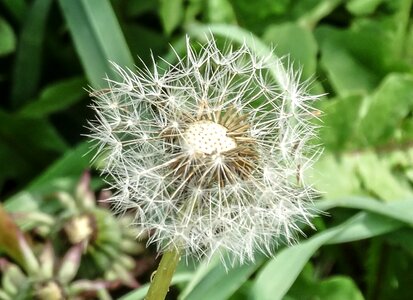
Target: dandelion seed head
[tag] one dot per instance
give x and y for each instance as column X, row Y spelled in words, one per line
column 210, row 152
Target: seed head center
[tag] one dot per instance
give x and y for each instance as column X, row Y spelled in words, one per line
column 208, row 137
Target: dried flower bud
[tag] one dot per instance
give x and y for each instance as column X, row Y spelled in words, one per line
column 49, row 290
column 80, row 228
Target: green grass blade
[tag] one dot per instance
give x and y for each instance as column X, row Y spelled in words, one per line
column 7, row 38
column 17, row 8
column 398, row 210
column 202, row 269
column 19, row 132
column 97, row 37
column 72, row 164
column 275, row 279
column 56, row 97
column 26, row 73
column 367, row 226
column 220, row 283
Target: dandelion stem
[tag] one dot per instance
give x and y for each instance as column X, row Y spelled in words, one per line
column 162, row 279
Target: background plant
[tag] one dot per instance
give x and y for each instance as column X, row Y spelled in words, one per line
column 360, row 53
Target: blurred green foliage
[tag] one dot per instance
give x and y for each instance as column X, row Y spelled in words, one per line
column 358, row 52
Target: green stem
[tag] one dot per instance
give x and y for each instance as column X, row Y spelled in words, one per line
column 163, row 276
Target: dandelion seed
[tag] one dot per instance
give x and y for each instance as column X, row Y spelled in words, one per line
column 210, row 152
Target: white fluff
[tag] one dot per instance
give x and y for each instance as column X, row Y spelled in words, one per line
column 244, row 214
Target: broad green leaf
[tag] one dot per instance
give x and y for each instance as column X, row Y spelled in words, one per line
column 305, row 284
column 358, row 57
column 380, row 41
column 377, row 178
column 314, row 11
column 338, row 288
column 339, row 122
column 97, row 37
column 171, row 13
column 220, row 11
column 255, row 16
column 402, row 158
column 400, row 21
column 347, row 73
column 7, row 38
column 386, row 109
column 27, row 67
column 296, row 42
column 308, row 286
column 362, row 7
column 359, row 174
column 56, row 97
column 334, row 186
column 274, row 280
